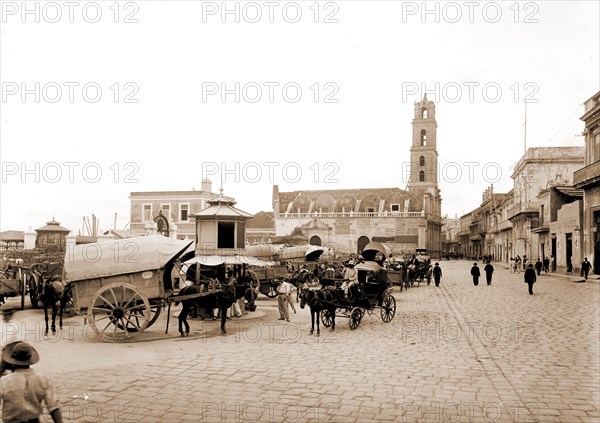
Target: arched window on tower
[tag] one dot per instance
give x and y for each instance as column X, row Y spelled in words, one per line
column 424, row 113
column 423, row 137
column 422, row 176
column 422, row 161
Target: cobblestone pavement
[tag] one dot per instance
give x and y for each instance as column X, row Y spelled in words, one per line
column 457, row 353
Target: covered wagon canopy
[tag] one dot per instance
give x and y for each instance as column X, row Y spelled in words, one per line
column 122, row 256
column 217, row 260
column 286, row 252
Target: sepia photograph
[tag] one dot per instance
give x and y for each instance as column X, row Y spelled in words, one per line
column 300, row 211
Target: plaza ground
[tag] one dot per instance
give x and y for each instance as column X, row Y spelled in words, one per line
column 456, row 353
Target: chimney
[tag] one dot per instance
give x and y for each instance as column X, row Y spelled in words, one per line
column 206, row 185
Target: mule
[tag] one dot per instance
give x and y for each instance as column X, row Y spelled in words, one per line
column 222, row 300
column 317, row 301
column 55, row 295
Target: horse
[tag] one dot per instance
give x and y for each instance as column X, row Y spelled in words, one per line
column 411, row 275
column 221, row 299
column 54, row 294
column 317, row 300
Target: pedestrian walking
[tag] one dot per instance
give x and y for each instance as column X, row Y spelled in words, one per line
column 538, row 266
column 489, row 270
column 585, row 268
column 437, row 274
column 23, row 391
column 546, row 265
column 530, row 277
column 284, row 290
column 518, row 262
column 475, row 273
column 553, row 262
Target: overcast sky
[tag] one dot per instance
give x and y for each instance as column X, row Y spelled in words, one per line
column 100, row 99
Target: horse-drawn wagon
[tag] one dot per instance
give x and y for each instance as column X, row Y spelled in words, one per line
column 123, row 284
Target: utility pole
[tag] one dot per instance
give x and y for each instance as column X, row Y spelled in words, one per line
column 525, row 131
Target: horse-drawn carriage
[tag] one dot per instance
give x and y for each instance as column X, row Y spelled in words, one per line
column 372, row 292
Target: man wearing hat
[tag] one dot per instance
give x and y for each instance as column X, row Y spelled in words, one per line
column 350, row 277
column 475, row 273
column 437, row 274
column 23, row 391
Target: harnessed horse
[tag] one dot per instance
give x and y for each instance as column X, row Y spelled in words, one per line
column 222, row 299
column 317, row 300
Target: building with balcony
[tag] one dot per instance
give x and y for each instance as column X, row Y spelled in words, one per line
column 348, row 219
column 449, row 234
column 169, row 213
column 539, row 169
column 588, row 179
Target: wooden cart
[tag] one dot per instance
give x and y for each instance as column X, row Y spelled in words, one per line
column 123, row 284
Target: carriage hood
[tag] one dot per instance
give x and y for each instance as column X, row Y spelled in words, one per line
column 372, row 248
column 122, row 256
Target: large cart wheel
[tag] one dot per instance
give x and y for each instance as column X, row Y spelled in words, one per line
column 326, row 318
column 118, row 312
column 30, row 280
column 388, row 308
column 355, row 317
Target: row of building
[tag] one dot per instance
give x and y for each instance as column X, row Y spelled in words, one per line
column 552, row 211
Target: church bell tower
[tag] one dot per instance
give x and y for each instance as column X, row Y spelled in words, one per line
column 423, row 179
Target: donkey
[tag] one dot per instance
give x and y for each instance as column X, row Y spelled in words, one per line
column 222, row 300
column 317, row 301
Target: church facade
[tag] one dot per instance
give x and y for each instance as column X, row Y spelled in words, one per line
column 348, row 219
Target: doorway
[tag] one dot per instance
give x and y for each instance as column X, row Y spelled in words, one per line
column 569, row 252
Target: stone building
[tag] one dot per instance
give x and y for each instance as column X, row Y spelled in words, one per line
column 449, row 235
column 347, row 219
column 588, row 179
column 539, row 169
column 169, row 213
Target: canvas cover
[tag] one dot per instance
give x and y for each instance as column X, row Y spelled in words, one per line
column 216, row 260
column 122, row 256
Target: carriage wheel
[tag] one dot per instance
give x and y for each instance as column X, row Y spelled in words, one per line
column 155, row 309
column 272, row 292
column 326, row 318
column 118, row 312
column 388, row 308
column 355, row 316
column 254, row 281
